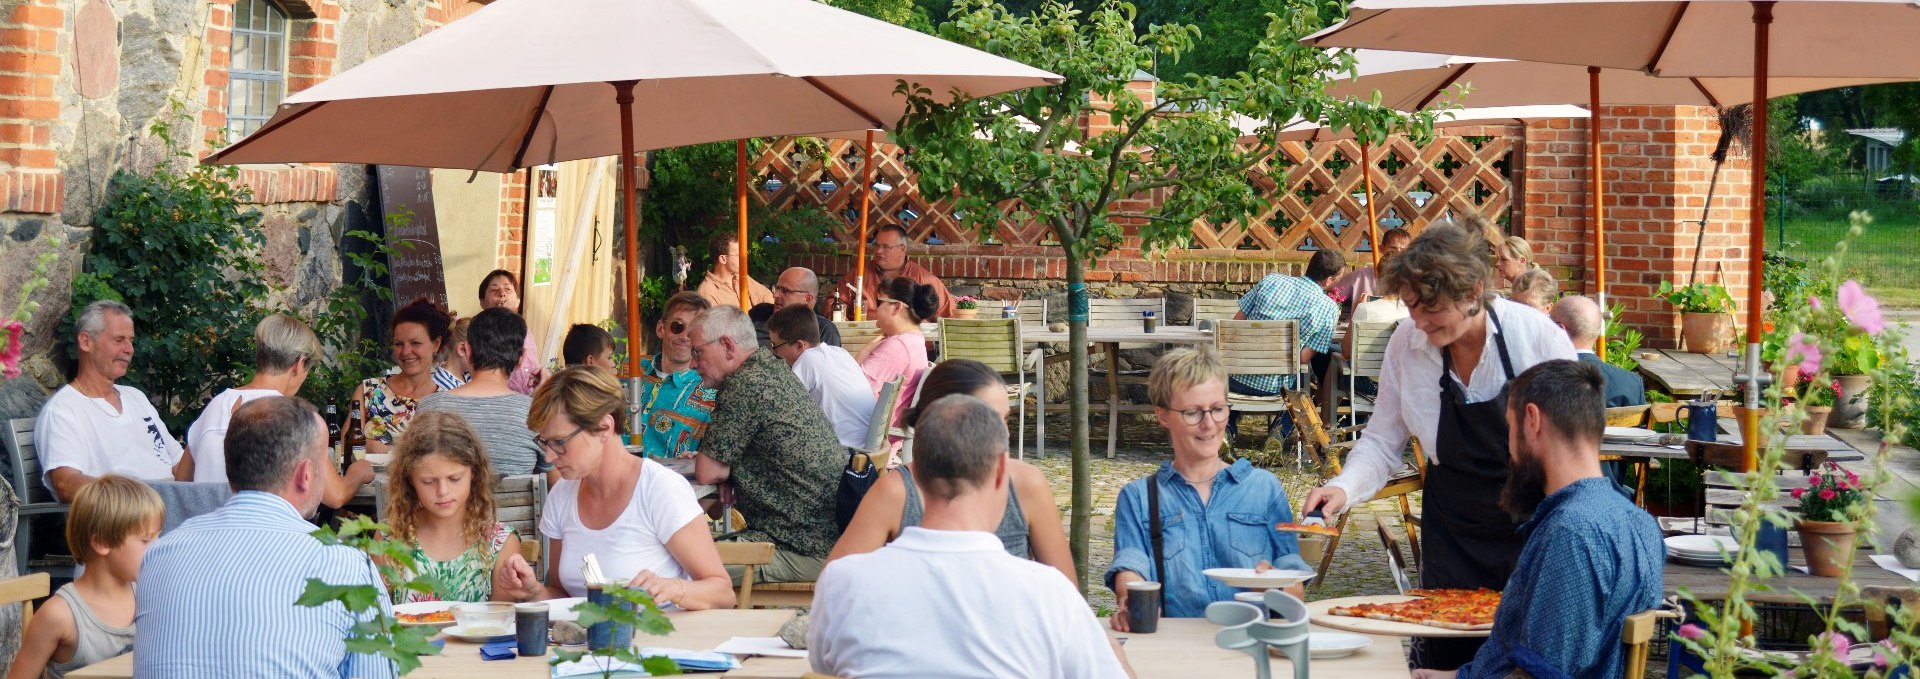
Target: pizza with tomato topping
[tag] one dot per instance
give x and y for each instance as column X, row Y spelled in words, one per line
column 1459, row 609
column 1310, row 528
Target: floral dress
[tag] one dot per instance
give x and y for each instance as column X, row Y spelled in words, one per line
column 468, row 577
column 388, row 411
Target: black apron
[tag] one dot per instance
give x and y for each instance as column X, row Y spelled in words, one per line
column 1467, row 540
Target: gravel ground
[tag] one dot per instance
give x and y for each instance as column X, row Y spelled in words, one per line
column 1360, row 562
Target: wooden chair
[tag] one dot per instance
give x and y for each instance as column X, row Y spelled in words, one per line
column 1369, row 354
column 1205, row 309
column 25, row 590
column 1125, row 313
column 1400, row 486
column 1395, row 562
column 36, row 500
column 784, row 593
column 1635, row 634
column 997, row 343
column 881, row 420
column 1031, row 311
column 856, row 334
column 1258, row 348
column 1628, row 416
column 517, row 501
column 750, row 556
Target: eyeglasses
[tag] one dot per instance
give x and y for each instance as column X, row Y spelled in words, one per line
column 696, row 346
column 776, row 347
column 884, row 246
column 559, row 446
column 1192, row 415
column 676, row 327
column 783, row 290
column 883, row 300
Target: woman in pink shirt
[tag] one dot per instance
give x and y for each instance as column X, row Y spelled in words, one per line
column 900, row 351
column 501, row 289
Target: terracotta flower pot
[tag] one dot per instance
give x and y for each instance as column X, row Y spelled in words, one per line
column 1816, row 422
column 966, row 313
column 1827, row 544
column 1850, row 404
column 1706, row 333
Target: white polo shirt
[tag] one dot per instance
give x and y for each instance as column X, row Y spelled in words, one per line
column 937, row 603
column 90, row 436
column 834, row 380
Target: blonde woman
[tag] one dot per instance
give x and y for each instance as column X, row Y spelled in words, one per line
column 440, row 500
column 1515, row 258
column 1535, row 288
column 638, row 518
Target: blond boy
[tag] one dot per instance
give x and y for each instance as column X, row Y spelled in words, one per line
column 112, row 521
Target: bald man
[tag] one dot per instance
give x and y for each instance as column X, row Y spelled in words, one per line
column 1580, row 317
column 796, row 286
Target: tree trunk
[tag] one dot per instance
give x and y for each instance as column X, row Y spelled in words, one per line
column 1077, row 412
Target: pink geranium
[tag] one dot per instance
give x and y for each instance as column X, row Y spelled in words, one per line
column 1797, row 492
column 1805, row 353
column 1827, row 494
column 1860, row 308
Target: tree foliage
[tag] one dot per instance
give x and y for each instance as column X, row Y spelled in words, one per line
column 1023, row 155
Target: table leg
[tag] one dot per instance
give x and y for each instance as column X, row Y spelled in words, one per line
column 1640, row 482
column 1113, row 396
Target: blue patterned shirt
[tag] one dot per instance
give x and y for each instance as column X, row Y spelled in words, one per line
column 1591, row 560
column 216, row 598
column 1277, row 298
column 1232, row 529
column 674, row 410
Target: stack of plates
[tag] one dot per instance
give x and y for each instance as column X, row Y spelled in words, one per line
column 1627, row 434
column 1701, row 550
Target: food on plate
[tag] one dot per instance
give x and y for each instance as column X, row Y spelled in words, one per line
column 432, row 618
column 1460, row 609
column 1311, row 528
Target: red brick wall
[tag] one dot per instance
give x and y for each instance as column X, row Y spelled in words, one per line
column 513, row 194
column 30, row 60
column 312, row 48
column 1656, row 171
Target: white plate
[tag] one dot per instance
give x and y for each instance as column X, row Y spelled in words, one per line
column 562, row 609
column 379, row 459
column 462, row 634
column 1708, row 562
column 419, row 607
column 1702, row 546
column 1626, row 434
column 1335, row 644
column 1245, row 578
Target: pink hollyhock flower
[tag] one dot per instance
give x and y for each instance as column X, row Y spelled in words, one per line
column 1807, row 353
column 1691, row 631
column 10, row 348
column 1840, row 644
column 1814, row 302
column 1827, row 494
column 1860, row 308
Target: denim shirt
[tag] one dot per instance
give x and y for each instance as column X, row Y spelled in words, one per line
column 1233, row 529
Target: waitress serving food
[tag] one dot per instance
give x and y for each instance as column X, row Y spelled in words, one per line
column 1444, row 382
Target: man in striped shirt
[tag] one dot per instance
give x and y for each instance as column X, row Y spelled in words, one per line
column 216, row 595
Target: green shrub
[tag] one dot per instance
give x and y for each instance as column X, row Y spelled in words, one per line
column 1896, row 399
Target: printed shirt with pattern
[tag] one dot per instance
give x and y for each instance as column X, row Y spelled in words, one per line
column 1281, row 297
column 467, row 577
column 783, row 455
column 675, row 410
column 388, row 412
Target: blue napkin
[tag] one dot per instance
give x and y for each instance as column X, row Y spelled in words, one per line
column 695, row 661
column 499, row 650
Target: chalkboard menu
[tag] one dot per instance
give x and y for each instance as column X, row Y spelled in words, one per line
column 406, row 207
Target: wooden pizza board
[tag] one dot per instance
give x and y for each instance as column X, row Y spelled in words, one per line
column 1317, row 613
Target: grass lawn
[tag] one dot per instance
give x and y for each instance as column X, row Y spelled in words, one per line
column 1886, row 258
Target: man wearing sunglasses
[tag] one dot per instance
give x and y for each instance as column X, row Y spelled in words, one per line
column 796, row 286
column 674, row 408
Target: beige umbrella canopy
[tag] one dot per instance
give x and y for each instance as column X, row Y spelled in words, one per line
column 1669, row 38
column 527, row 82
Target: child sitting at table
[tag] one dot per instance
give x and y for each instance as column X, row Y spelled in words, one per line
column 112, row 521
column 440, row 499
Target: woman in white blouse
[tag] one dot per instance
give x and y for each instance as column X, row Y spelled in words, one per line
column 639, row 519
column 1444, row 383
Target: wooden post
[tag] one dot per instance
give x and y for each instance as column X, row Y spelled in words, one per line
column 740, row 194
column 1599, row 224
column 860, row 256
column 1757, row 234
column 1373, row 222
column 623, row 95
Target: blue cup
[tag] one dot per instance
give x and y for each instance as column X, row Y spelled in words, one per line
column 1773, row 539
column 1703, row 420
column 606, row 633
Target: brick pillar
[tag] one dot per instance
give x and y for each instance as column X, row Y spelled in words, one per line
column 1657, row 168
column 513, row 195
column 313, row 47
column 219, row 46
column 30, row 59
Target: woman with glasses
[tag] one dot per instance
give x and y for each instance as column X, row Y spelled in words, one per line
column 1212, row 514
column 639, row 519
column 1029, row 530
column 900, row 351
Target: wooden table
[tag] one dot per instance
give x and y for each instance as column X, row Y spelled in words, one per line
column 1710, row 584
column 1184, row 648
column 700, row 630
column 1686, row 375
column 1108, row 339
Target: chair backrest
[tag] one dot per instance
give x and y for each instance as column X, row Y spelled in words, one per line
column 1627, row 416
column 751, row 555
column 882, row 417
column 1370, row 347
column 1123, row 311
column 856, row 334
column 517, row 501
column 1032, row 311
column 23, row 463
column 1205, row 309
column 1636, row 633
column 24, row 590
column 993, row 341
column 1258, row 347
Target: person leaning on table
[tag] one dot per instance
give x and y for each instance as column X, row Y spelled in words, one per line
column 1467, row 539
column 1212, row 514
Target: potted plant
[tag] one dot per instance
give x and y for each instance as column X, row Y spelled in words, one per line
column 1706, row 314
column 1818, row 399
column 1829, row 503
column 966, row 307
column 1673, row 489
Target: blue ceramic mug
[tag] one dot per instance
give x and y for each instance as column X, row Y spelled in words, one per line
column 1703, row 420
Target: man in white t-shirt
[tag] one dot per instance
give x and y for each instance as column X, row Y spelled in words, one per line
column 93, row 427
column 945, row 599
column 828, row 372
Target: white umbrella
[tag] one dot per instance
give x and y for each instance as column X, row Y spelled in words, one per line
column 526, row 82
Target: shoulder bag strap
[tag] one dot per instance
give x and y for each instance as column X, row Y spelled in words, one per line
column 1154, row 534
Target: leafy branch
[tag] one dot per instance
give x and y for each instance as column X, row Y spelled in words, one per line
column 632, row 607
column 375, row 631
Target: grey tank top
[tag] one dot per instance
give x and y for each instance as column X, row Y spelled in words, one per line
column 1013, row 525
column 94, row 641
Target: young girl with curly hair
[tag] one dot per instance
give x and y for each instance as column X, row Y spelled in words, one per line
column 440, row 500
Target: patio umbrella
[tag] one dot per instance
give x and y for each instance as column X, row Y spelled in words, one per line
column 1820, row 39
column 1411, row 81
column 677, row 71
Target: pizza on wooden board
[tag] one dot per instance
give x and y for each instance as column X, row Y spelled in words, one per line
column 1459, row 609
column 1309, row 528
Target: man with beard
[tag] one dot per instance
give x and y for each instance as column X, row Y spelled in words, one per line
column 1591, row 557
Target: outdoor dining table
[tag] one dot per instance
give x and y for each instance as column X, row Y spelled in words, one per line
column 1109, row 339
column 1710, row 583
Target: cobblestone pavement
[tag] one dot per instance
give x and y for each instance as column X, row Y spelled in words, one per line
column 1360, row 563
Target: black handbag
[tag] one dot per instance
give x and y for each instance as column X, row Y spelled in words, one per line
column 858, row 478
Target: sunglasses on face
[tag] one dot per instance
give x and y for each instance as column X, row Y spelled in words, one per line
column 676, row 327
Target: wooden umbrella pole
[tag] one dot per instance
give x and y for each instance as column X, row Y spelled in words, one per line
column 623, row 95
column 740, row 194
column 1599, row 224
column 860, row 256
column 1366, row 183
column 1756, row 379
